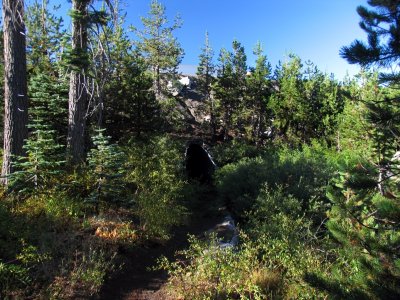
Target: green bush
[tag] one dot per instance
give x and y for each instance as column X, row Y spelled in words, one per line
column 12, row 278
column 276, row 215
column 91, row 270
column 301, row 173
column 19, row 259
column 215, row 273
column 234, row 151
column 281, row 202
column 156, row 169
column 238, row 183
column 265, row 268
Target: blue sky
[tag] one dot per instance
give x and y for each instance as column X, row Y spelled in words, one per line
column 313, row 29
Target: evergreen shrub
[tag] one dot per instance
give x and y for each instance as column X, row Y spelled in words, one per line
column 106, row 168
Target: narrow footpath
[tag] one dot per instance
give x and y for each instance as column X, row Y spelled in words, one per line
column 135, row 281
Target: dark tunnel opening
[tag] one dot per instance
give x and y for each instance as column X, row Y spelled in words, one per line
column 199, row 164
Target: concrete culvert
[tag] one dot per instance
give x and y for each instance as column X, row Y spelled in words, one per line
column 199, row 164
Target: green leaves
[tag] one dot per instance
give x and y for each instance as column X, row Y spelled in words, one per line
column 157, row 172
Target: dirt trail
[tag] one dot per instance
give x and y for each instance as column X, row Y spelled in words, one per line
column 135, row 281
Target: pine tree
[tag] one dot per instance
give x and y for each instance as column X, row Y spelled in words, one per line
column 15, row 84
column 45, row 76
column 103, row 37
column 160, row 48
column 44, row 160
column 239, row 63
column 45, row 33
column 205, row 77
column 105, row 162
column 1, row 82
column 77, row 88
column 122, row 100
column 230, row 87
column 285, row 101
column 322, row 103
column 257, row 95
column 130, row 105
column 351, row 133
column 50, row 95
column 383, row 29
column 306, row 104
column 366, row 211
column 224, row 91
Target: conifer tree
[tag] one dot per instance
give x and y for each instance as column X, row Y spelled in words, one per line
column 104, row 36
column 239, row 63
column 43, row 161
column 382, row 26
column 285, row 102
column 383, row 29
column 77, row 89
column 257, row 95
column 230, row 87
column 129, row 104
column 321, row 105
column 105, row 161
column 45, row 154
column 50, row 94
column 160, row 48
column 1, row 82
column 306, row 103
column 15, row 84
column 205, row 77
column 46, row 77
column 351, row 133
column 44, row 39
column 366, row 212
column 225, row 91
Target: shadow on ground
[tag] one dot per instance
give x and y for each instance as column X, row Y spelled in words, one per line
column 135, row 281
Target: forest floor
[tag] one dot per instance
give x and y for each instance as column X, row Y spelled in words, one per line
column 136, row 280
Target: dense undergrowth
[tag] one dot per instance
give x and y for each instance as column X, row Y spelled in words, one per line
column 298, row 238
column 288, row 248
column 61, row 240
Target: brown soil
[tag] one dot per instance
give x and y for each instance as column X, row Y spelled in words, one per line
column 135, row 281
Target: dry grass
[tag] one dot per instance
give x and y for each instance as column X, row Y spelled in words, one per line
column 267, row 280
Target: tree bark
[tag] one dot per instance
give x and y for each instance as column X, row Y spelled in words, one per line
column 15, row 85
column 77, row 86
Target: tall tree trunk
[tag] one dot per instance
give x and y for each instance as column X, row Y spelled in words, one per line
column 15, row 84
column 77, row 86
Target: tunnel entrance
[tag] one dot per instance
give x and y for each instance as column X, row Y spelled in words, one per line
column 199, row 164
